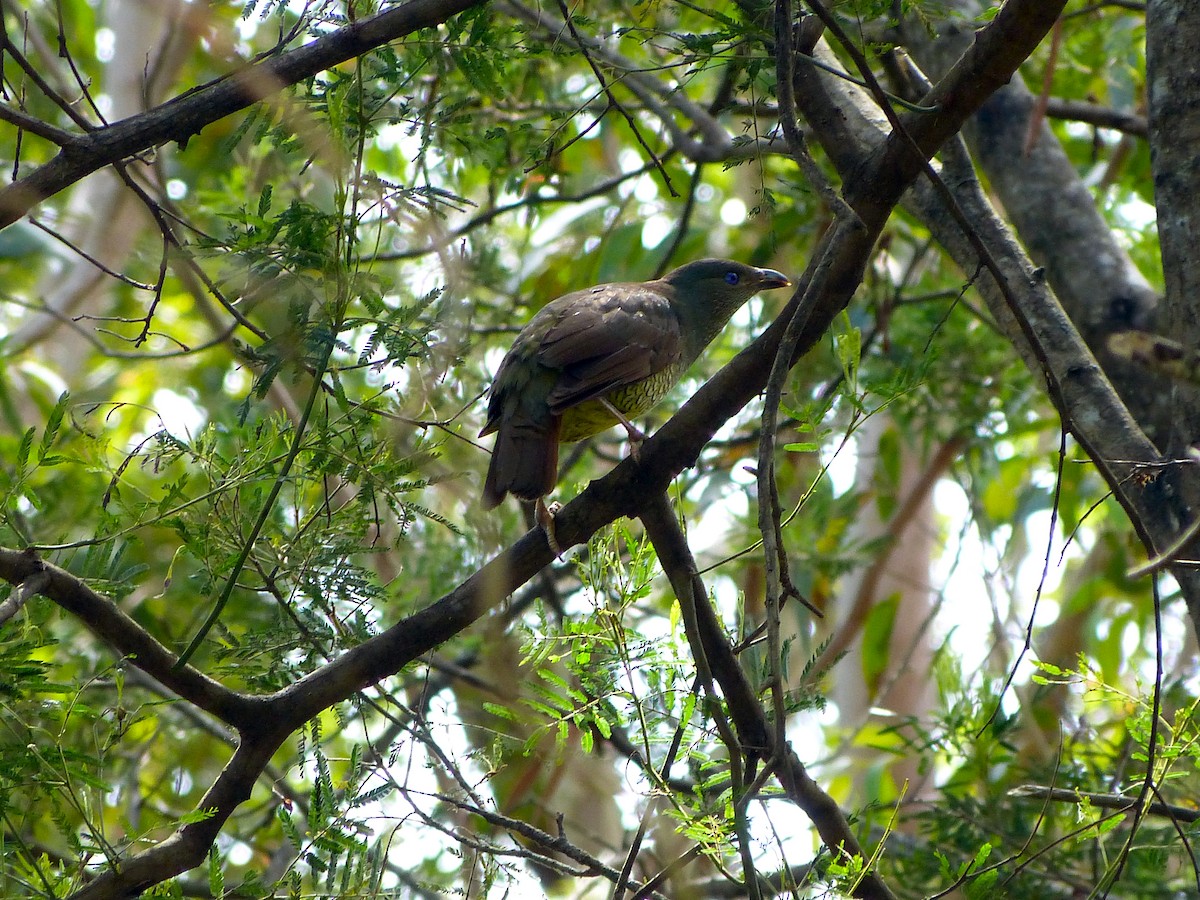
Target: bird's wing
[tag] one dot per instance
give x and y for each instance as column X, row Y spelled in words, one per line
column 608, row 337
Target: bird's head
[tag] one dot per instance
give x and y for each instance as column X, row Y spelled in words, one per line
column 722, row 278
column 708, row 292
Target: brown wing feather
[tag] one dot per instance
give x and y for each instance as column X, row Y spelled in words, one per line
column 608, row 337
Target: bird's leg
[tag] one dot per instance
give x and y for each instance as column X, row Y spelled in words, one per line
column 545, row 518
column 635, row 434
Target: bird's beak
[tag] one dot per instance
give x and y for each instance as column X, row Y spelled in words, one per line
column 769, row 279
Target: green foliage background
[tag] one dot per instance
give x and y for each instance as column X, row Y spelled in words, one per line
column 280, row 418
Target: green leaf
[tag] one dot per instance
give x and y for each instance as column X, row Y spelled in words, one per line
column 847, row 347
column 216, row 879
column 25, row 446
column 197, row 815
column 53, row 424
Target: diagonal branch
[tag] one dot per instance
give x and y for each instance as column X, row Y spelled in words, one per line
column 628, row 488
column 756, row 733
column 180, row 118
column 127, row 637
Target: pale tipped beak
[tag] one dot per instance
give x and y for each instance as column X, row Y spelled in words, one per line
column 772, row 279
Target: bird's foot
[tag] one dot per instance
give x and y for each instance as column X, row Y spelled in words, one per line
column 545, row 518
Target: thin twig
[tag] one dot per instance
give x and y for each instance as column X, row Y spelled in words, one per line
column 604, row 85
column 1120, row 802
column 301, row 428
column 34, row 125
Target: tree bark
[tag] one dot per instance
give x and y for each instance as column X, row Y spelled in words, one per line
column 1173, row 82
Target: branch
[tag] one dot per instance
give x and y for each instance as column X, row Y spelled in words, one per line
column 1017, row 293
column 35, row 125
column 187, row 847
column 987, row 64
column 1089, row 406
column 1053, row 211
column 186, row 115
column 1172, row 27
column 754, row 729
column 1098, row 115
column 1105, row 801
column 24, row 568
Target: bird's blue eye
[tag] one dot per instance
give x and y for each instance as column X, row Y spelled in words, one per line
column 731, row 277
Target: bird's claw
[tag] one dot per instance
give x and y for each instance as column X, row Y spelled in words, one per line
column 545, row 518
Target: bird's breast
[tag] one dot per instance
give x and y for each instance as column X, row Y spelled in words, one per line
column 591, row 417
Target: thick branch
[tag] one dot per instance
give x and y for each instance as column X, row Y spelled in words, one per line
column 1101, row 290
column 1172, row 27
column 986, row 64
column 1057, row 219
column 186, row 848
column 127, row 637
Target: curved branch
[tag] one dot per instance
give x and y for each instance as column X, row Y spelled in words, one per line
column 187, row 847
column 108, row 622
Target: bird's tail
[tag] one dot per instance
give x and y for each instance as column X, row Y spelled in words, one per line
column 524, row 462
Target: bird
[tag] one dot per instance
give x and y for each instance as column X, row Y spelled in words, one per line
column 599, row 357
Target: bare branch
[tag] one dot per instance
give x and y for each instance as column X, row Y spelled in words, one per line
column 185, row 115
column 1104, row 801
column 126, row 636
column 34, row 125
column 1098, row 115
